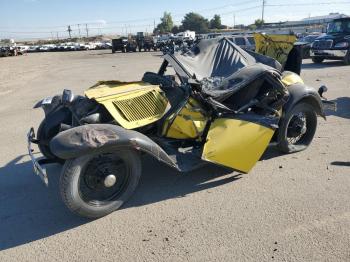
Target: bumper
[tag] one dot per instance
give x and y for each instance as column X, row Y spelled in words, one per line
column 38, row 169
column 328, row 53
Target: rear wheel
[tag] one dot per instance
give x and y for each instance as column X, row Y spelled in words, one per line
column 317, row 60
column 95, row 185
column 297, row 128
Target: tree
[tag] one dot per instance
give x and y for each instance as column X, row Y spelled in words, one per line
column 175, row 29
column 215, row 23
column 195, row 22
column 259, row 23
column 166, row 24
column 252, row 27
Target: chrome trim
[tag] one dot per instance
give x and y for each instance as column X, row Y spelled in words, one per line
column 328, row 53
column 38, row 170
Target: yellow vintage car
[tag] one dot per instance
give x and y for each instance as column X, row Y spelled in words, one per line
column 217, row 104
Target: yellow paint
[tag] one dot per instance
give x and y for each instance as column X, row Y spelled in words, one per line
column 290, row 78
column 132, row 104
column 235, row 143
column 275, row 46
column 188, row 124
column 105, row 89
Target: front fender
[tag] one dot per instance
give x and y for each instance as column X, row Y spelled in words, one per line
column 101, row 138
column 300, row 92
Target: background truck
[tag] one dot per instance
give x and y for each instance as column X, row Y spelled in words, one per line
column 335, row 44
column 124, row 44
column 145, row 42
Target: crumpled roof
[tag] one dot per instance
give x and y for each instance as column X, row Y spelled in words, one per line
column 218, row 57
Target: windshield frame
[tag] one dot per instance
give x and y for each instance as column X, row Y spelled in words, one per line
column 344, row 27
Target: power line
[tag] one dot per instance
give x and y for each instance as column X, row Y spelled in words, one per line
column 311, row 4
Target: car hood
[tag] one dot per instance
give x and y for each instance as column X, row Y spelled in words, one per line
column 335, row 37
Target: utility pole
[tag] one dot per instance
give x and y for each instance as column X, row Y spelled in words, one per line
column 57, row 35
column 79, row 30
column 87, row 31
column 234, row 20
column 69, row 31
column 154, row 25
column 263, row 11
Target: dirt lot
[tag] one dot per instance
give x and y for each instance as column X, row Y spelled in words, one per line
column 289, row 208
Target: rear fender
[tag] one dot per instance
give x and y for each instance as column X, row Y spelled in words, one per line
column 302, row 93
column 101, row 138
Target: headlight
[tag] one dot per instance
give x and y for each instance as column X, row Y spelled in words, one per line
column 341, row 45
column 67, row 97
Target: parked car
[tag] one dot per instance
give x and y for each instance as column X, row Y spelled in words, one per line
column 244, row 41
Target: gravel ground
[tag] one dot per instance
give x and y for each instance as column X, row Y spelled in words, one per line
column 288, row 208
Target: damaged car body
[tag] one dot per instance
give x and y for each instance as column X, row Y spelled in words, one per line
column 220, row 104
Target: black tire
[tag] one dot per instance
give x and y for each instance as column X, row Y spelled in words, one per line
column 44, row 148
column 317, row 60
column 74, row 184
column 290, row 127
column 347, row 58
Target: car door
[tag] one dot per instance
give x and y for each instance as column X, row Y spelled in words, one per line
column 238, row 142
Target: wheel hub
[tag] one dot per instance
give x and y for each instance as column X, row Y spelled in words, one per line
column 110, row 180
column 297, row 127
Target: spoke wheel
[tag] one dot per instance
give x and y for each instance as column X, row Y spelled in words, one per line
column 297, row 128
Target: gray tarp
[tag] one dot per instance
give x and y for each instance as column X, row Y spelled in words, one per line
column 219, row 58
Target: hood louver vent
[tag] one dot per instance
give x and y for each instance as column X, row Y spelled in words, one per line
column 145, row 106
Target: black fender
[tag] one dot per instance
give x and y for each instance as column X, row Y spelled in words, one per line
column 55, row 102
column 100, row 138
column 52, row 123
column 303, row 93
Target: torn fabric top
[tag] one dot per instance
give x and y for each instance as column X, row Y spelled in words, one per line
column 217, row 57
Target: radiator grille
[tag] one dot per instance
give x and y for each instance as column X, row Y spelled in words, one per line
column 323, row 44
column 146, row 106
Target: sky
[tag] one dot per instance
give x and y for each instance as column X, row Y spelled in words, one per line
column 21, row 19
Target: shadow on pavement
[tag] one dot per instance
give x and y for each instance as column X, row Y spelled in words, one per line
column 325, row 64
column 271, row 152
column 343, row 108
column 340, row 163
column 30, row 211
column 162, row 183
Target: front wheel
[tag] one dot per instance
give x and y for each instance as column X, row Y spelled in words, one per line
column 95, row 185
column 44, row 141
column 317, row 60
column 297, row 128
